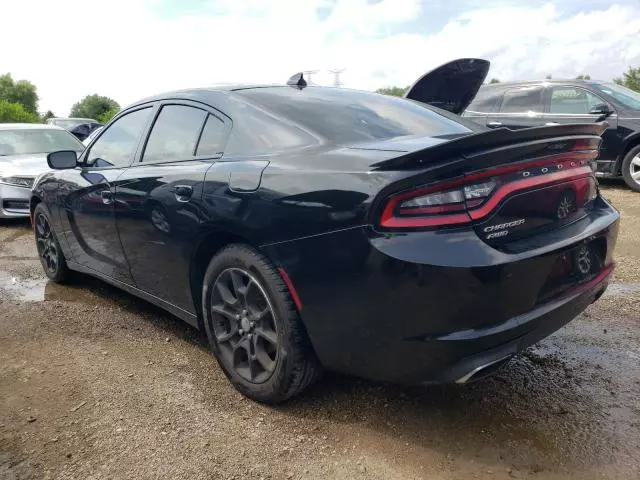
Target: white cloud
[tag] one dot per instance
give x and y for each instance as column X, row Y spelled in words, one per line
column 130, row 49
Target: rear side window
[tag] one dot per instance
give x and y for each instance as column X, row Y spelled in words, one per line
column 212, row 138
column 174, row 134
column 486, row 100
column 347, row 116
column 522, row 100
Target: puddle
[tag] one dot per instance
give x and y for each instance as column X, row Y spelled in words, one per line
column 622, row 289
column 23, row 289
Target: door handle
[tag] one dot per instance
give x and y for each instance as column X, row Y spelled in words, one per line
column 107, row 197
column 183, row 192
column 549, row 124
column 494, row 124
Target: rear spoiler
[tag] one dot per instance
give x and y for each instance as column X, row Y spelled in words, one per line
column 523, row 143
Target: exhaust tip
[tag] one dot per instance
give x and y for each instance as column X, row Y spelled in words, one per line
column 484, row 370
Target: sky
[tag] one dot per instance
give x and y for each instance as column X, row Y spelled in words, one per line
column 130, row 49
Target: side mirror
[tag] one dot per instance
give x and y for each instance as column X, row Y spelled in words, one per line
column 601, row 109
column 62, row 160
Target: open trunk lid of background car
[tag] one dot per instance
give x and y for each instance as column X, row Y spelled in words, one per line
column 451, row 86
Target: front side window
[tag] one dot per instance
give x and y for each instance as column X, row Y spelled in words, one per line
column 525, row 100
column 118, row 143
column 623, row 95
column 572, row 101
column 174, row 134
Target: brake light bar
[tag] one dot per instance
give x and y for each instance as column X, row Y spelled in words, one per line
column 475, row 196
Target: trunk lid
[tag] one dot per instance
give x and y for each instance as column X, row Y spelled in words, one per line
column 451, row 86
column 513, row 188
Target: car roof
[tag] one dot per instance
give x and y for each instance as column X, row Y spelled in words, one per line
column 221, row 97
column 28, row 126
column 568, row 81
column 72, row 118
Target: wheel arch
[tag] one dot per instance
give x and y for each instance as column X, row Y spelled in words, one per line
column 630, row 142
column 207, row 246
column 33, row 202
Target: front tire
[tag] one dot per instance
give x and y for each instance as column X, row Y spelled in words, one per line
column 49, row 251
column 253, row 327
column 631, row 168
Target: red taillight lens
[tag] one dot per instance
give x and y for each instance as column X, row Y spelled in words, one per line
column 475, row 196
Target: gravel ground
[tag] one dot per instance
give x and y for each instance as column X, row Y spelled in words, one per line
column 96, row 384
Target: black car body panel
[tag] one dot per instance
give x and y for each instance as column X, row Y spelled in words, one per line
column 386, row 291
column 518, row 105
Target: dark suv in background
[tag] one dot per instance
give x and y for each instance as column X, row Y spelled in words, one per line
column 551, row 102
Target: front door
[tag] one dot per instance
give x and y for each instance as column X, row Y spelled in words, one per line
column 91, row 229
column 520, row 107
column 571, row 104
column 158, row 200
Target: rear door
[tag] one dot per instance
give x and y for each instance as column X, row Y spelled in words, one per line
column 159, row 199
column 89, row 225
column 520, row 107
column 571, row 104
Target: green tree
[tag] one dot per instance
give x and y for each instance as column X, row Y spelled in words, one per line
column 12, row 112
column 583, row 76
column 49, row 114
column 108, row 115
column 630, row 79
column 22, row 92
column 494, row 80
column 395, row 91
column 93, row 106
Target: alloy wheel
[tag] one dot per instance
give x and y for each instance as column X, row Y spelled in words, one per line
column 634, row 168
column 46, row 244
column 160, row 221
column 244, row 325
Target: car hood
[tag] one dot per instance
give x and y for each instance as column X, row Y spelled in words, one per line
column 30, row 165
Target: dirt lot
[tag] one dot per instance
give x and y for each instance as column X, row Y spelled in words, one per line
column 97, row 384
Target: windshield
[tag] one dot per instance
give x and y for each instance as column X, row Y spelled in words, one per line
column 623, row 95
column 69, row 124
column 20, row 142
column 345, row 116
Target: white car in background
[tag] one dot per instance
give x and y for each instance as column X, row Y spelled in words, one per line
column 23, row 156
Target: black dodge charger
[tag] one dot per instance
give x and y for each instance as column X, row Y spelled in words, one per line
column 305, row 227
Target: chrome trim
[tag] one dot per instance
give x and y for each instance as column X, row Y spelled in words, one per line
column 465, row 378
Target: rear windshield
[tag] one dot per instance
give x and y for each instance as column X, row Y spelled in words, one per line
column 18, row 142
column 347, row 116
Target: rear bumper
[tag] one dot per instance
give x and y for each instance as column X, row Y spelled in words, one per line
column 14, row 201
column 524, row 331
column 431, row 307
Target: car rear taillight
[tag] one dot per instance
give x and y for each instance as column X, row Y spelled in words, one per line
column 475, row 196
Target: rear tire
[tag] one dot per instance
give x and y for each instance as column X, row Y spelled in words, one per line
column 253, row 327
column 49, row 251
column 631, row 168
